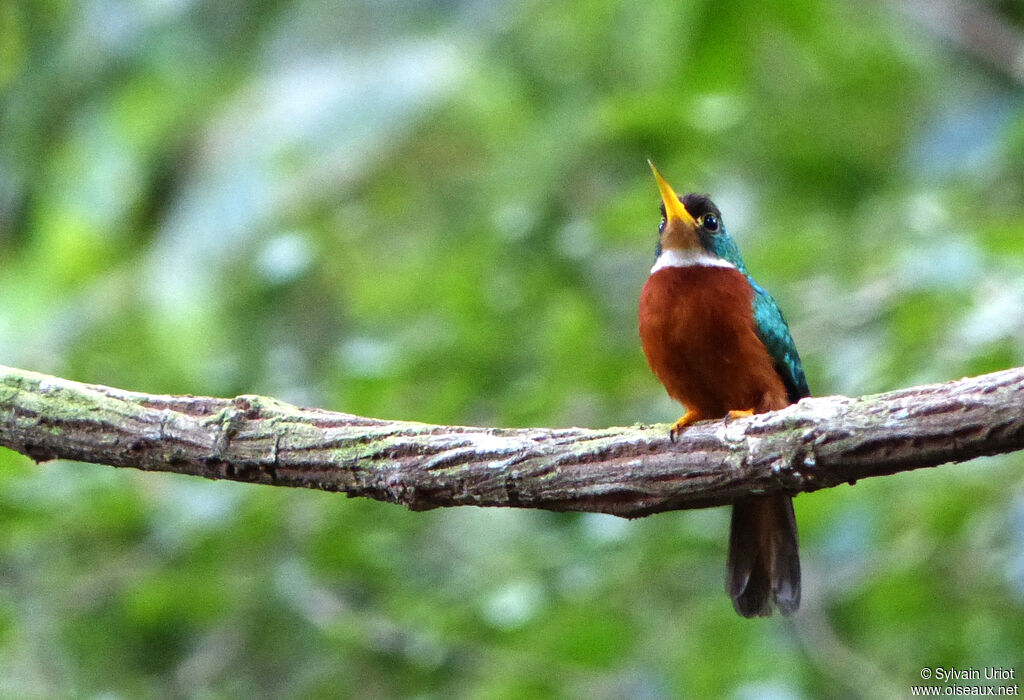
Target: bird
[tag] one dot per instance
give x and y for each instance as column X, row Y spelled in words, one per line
column 719, row 344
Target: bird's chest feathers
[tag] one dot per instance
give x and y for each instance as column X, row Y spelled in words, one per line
column 688, row 307
column 698, row 332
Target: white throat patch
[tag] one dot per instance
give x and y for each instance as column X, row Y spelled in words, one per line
column 688, row 258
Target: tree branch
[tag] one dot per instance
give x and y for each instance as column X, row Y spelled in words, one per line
column 630, row 471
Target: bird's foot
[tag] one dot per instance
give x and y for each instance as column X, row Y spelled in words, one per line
column 677, row 427
column 738, row 414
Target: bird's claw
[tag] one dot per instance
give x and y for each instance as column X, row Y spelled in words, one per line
column 732, row 415
column 677, row 427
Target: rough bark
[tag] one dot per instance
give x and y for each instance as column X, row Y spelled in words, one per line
column 626, row 471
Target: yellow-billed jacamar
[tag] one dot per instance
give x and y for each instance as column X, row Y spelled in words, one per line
column 721, row 347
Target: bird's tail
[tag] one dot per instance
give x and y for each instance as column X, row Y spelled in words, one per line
column 764, row 560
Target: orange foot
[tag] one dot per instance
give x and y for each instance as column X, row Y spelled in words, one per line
column 739, row 414
column 688, row 418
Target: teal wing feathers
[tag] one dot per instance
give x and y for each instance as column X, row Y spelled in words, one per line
column 771, row 326
column 774, row 333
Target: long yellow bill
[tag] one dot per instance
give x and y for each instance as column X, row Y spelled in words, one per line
column 674, row 209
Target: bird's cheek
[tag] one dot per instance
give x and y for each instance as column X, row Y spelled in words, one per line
column 680, row 236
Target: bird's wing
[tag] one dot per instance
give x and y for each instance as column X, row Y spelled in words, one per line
column 774, row 333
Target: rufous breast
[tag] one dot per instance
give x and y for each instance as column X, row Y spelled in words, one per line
column 699, row 335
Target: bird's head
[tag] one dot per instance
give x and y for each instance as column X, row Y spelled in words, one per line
column 692, row 228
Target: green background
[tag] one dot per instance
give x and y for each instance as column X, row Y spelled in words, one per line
column 441, row 211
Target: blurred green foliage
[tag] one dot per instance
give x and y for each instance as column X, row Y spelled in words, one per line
column 441, row 211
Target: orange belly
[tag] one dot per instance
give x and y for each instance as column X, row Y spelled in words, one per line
column 698, row 333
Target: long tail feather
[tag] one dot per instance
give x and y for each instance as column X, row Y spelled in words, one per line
column 764, row 558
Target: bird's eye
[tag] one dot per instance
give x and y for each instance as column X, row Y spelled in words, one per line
column 709, row 222
column 661, row 226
